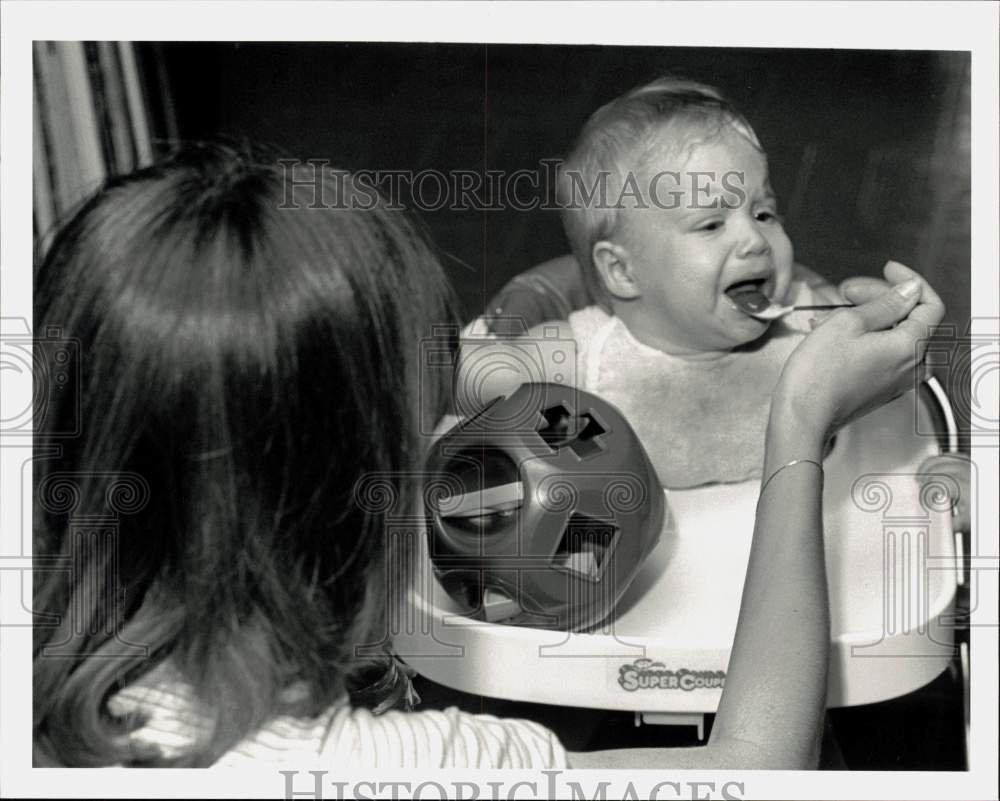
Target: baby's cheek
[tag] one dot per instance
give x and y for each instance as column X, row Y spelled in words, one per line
column 784, row 257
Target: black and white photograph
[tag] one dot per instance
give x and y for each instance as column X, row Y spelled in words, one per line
column 499, row 400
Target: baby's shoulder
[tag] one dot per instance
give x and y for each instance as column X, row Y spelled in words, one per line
column 584, row 323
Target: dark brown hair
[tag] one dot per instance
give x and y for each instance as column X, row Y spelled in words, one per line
column 244, row 362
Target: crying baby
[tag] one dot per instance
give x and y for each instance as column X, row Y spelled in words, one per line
column 684, row 262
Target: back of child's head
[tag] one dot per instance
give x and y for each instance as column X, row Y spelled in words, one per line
column 243, row 363
column 614, row 143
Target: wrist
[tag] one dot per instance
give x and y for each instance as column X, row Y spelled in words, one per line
column 793, row 432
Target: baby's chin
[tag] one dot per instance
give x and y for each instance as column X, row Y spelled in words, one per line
column 745, row 331
column 725, row 341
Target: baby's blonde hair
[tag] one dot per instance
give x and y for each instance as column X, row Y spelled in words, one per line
column 615, row 140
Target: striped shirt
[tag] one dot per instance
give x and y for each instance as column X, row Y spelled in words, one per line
column 344, row 737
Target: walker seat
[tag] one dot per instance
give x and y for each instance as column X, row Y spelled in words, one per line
column 892, row 576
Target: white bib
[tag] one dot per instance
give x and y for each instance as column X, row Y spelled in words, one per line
column 701, row 422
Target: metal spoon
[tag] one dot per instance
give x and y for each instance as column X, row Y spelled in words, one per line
column 757, row 304
column 776, row 311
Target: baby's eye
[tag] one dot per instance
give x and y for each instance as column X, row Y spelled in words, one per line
column 710, row 225
column 767, row 215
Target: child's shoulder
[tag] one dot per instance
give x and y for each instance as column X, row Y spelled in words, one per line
column 585, row 322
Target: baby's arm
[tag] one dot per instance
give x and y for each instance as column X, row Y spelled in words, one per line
column 489, row 367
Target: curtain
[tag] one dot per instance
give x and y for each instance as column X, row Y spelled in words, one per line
column 92, row 111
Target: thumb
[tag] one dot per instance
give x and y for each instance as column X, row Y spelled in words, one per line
column 862, row 289
column 889, row 308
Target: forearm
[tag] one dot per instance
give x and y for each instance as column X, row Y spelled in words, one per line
column 772, row 707
column 776, row 682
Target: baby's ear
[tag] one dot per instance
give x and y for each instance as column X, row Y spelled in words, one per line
column 614, row 265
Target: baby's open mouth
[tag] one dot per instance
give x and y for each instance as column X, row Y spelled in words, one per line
column 748, row 296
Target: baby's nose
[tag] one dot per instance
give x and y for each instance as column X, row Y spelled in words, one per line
column 752, row 241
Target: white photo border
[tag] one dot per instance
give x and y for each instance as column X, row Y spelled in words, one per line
column 917, row 26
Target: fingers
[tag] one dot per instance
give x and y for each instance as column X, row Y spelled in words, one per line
column 888, row 308
column 862, row 289
column 928, row 312
column 926, row 315
column 896, row 273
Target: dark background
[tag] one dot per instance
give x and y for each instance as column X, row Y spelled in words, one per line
column 869, row 150
column 869, row 154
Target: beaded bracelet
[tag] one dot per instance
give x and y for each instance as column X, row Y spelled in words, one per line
column 789, row 464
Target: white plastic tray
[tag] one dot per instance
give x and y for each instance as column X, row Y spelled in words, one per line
column 891, row 571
